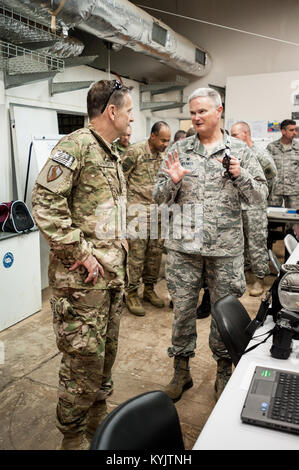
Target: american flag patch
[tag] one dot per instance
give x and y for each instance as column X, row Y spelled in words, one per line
column 63, row 158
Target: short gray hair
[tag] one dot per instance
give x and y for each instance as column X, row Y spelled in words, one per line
column 244, row 126
column 210, row 92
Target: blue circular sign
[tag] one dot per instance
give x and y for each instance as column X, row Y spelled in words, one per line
column 8, row 259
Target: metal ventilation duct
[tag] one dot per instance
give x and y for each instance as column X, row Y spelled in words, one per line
column 124, row 24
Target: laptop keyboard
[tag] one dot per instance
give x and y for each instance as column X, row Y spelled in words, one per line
column 286, row 401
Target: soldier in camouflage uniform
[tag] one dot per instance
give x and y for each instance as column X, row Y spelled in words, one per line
column 255, row 220
column 285, row 152
column 123, row 143
column 194, row 180
column 75, row 198
column 141, row 164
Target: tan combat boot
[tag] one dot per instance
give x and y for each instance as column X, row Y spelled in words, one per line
column 258, row 287
column 74, row 441
column 224, row 372
column 96, row 414
column 150, row 295
column 134, row 305
column 181, row 380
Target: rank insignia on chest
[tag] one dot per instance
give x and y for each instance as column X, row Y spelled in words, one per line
column 63, row 158
column 54, row 172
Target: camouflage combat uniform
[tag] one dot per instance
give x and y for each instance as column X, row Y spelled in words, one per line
column 255, row 220
column 217, row 246
column 120, row 149
column 286, row 185
column 140, row 167
column 74, row 199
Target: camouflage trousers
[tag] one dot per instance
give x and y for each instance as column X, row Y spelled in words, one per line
column 255, row 227
column 144, row 261
column 184, row 276
column 86, row 325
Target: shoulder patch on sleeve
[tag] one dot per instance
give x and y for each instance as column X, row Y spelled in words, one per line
column 54, row 172
column 63, row 158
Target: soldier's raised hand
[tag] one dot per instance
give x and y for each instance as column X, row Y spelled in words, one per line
column 174, row 168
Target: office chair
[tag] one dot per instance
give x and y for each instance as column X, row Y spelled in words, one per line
column 290, row 243
column 146, row 422
column 232, row 320
column 275, row 261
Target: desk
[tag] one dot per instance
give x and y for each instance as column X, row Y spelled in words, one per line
column 282, row 214
column 224, row 429
column 20, row 279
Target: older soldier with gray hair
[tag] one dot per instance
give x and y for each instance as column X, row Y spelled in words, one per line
column 74, row 191
column 193, row 177
column 254, row 216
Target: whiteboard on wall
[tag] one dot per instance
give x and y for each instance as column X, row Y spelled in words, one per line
column 26, row 122
column 42, row 146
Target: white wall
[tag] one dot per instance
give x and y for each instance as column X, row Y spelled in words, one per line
column 263, row 97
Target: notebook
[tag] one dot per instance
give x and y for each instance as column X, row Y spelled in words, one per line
column 272, row 400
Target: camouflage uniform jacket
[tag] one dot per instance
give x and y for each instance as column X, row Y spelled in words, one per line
column 75, row 194
column 119, row 148
column 269, row 168
column 287, row 164
column 214, row 225
column 140, row 167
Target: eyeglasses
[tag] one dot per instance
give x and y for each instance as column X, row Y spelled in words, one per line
column 117, row 86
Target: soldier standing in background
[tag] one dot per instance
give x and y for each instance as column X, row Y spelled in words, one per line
column 254, row 216
column 123, row 143
column 190, row 131
column 179, row 135
column 285, row 152
column 212, row 242
column 81, row 180
column 141, row 164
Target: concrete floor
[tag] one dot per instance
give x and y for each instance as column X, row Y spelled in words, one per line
column 29, row 375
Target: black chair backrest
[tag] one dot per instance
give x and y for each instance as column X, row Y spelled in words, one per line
column 232, row 320
column 146, row 422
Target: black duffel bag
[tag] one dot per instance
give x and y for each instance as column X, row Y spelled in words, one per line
column 15, row 217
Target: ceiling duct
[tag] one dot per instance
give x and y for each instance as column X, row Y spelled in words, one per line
column 123, row 24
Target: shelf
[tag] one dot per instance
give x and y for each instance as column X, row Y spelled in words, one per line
column 16, row 59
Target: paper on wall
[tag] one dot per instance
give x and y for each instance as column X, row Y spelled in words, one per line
column 258, row 129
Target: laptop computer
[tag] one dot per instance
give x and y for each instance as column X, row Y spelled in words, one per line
column 272, row 400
